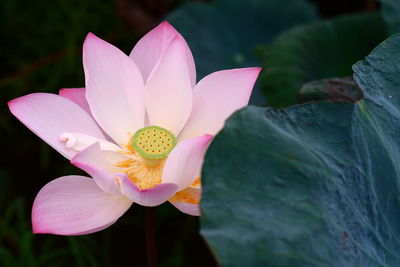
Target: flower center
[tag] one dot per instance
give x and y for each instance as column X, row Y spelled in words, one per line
column 147, row 152
column 153, row 142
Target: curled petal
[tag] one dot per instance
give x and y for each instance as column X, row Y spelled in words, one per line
column 187, row 201
column 114, row 89
column 75, row 205
column 49, row 116
column 216, row 97
column 149, row 50
column 99, row 165
column 79, row 142
column 184, row 163
column 147, row 197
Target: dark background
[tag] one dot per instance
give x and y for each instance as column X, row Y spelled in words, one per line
column 40, row 51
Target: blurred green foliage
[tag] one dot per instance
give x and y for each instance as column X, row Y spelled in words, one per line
column 222, row 36
column 390, row 12
column 321, row 50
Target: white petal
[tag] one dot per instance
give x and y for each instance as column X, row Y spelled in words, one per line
column 184, row 163
column 79, row 142
column 149, row 50
column 168, row 90
column 216, row 97
column 114, row 89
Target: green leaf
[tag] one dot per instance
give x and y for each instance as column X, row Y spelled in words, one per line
column 312, row 185
column 319, row 51
column 225, row 33
column 391, row 14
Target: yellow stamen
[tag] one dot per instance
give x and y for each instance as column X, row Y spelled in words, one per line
column 140, row 172
column 144, row 168
column 197, row 182
column 188, row 195
column 185, row 197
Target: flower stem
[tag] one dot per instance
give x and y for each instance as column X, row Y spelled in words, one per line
column 151, row 238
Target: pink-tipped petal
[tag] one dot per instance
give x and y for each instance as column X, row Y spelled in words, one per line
column 191, row 209
column 147, row 197
column 216, row 97
column 94, row 230
column 168, row 90
column 97, row 164
column 184, row 163
column 148, row 51
column 114, row 89
column 73, row 205
column 49, row 116
column 76, row 95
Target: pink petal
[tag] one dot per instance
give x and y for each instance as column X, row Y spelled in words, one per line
column 184, row 163
column 95, row 162
column 191, row 209
column 76, row 95
column 49, row 115
column 168, row 89
column 216, row 97
column 73, row 205
column 149, row 50
column 182, row 203
column 114, row 89
column 148, row 197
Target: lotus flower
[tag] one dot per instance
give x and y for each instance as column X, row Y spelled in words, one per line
column 140, row 129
